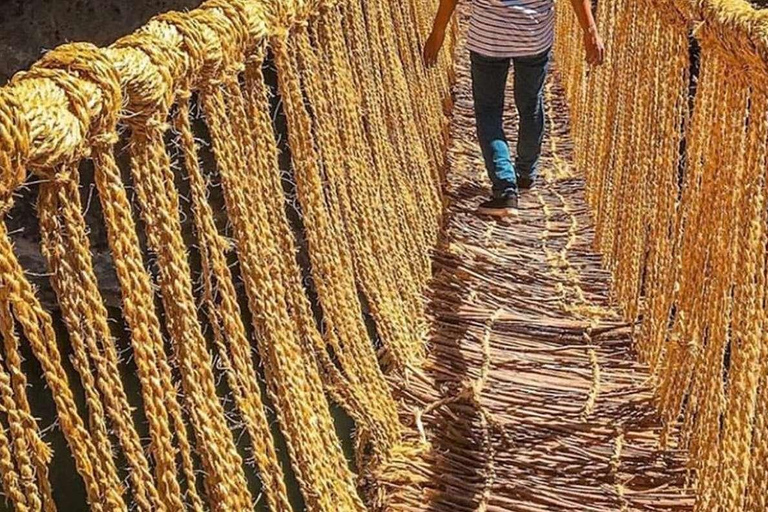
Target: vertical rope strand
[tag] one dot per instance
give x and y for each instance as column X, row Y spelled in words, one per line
column 66, row 247
column 223, row 311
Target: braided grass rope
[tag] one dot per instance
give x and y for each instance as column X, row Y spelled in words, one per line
column 65, row 245
column 677, row 187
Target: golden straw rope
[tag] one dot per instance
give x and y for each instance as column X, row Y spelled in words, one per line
column 684, row 232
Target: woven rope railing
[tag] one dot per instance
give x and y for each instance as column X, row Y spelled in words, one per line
column 677, row 183
column 366, row 135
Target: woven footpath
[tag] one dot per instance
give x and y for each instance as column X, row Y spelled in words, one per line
column 530, row 399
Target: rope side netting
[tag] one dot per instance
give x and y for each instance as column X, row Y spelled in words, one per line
column 366, row 135
column 675, row 173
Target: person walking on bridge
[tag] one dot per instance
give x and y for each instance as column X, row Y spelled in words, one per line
column 521, row 32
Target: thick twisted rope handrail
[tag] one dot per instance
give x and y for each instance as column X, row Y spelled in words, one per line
column 38, row 123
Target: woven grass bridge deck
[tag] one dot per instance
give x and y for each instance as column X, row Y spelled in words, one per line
column 531, row 397
column 284, row 198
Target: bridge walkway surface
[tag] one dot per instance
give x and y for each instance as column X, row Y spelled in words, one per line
column 531, row 398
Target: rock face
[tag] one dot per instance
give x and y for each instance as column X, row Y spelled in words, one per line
column 28, row 27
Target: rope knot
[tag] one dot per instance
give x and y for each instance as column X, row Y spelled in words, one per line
column 199, row 42
column 14, row 148
column 105, row 139
column 90, row 63
column 82, row 101
column 63, row 174
column 229, row 26
column 474, row 391
column 236, row 19
column 184, row 94
column 152, row 66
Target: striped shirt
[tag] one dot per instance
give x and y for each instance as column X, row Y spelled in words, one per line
column 511, row 28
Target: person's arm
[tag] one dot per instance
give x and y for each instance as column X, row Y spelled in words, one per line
column 593, row 43
column 436, row 38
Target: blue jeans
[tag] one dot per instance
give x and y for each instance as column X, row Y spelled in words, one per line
column 489, row 80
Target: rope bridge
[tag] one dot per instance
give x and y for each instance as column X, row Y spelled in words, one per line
column 504, row 376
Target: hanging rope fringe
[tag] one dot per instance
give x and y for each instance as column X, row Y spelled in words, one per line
column 371, row 212
column 677, row 186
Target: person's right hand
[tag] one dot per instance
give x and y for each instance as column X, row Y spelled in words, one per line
column 594, row 47
column 432, row 47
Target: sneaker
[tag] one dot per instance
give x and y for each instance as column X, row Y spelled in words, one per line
column 499, row 206
column 524, row 182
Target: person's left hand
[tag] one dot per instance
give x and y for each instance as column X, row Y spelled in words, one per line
column 432, row 46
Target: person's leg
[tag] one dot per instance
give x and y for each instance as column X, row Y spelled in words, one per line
column 489, row 79
column 530, row 75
